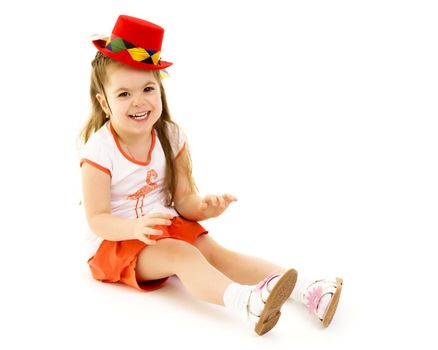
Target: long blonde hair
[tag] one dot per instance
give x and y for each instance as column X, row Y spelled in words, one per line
column 98, row 118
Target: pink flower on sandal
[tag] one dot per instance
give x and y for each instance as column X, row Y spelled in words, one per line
column 313, row 298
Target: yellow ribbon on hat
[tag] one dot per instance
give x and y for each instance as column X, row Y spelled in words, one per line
column 138, row 54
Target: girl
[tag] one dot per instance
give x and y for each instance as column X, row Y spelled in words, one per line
column 141, row 200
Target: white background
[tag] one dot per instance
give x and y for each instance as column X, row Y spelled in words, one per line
column 320, row 116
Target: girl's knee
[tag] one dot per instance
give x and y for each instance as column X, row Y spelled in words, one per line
column 164, row 258
column 179, row 250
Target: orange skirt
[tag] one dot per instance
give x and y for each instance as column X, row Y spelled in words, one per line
column 115, row 261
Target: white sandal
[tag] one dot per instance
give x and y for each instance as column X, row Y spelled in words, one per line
column 314, row 293
column 264, row 309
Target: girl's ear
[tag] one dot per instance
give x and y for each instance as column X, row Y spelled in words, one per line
column 103, row 104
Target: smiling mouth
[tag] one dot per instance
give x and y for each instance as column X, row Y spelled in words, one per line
column 140, row 116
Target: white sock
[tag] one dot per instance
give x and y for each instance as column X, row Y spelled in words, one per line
column 236, row 298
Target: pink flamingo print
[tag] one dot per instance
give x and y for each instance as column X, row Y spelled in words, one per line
column 142, row 192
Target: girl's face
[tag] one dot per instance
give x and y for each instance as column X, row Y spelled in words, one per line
column 134, row 100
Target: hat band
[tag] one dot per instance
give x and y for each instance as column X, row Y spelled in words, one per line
column 138, row 54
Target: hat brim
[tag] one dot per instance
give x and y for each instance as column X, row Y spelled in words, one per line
column 125, row 58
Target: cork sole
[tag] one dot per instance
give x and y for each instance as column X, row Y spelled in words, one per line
column 279, row 294
column 331, row 309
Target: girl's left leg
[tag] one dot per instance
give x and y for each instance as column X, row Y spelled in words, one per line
column 244, row 269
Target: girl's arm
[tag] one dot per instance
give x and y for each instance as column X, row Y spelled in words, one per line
column 189, row 206
column 186, row 202
column 97, row 201
column 97, row 198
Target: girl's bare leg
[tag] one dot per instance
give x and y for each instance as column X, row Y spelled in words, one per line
column 238, row 267
column 173, row 257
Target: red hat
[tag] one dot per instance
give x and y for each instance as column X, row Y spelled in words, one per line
column 134, row 42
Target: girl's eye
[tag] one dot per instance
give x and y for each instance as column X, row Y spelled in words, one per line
column 123, row 94
column 148, row 89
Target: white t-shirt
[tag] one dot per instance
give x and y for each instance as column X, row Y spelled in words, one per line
column 136, row 187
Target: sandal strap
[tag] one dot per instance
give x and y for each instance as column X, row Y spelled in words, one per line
column 266, row 280
column 263, row 286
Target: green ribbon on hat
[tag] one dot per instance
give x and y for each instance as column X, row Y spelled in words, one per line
column 138, row 54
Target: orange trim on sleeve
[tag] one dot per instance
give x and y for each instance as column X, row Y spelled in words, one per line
column 182, row 149
column 100, row 167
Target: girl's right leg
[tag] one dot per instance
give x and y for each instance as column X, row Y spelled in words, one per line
column 174, row 257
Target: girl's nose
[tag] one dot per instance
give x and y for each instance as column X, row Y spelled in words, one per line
column 139, row 101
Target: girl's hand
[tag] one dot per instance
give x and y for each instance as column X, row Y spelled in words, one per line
column 213, row 206
column 143, row 227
